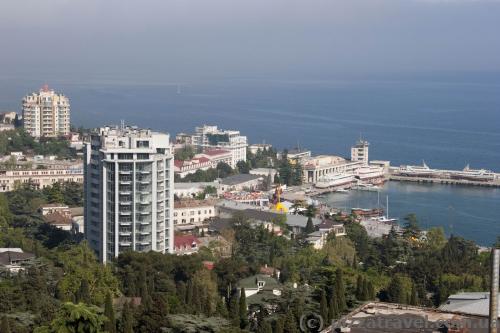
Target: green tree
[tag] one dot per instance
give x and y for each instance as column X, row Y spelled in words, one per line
column 290, row 323
column 243, row 167
column 109, row 312
column 396, row 292
column 127, row 319
column 323, row 306
column 340, row 290
column 309, row 226
column 4, row 325
column 435, row 239
column 75, row 318
column 279, row 326
column 83, row 294
column 243, row 309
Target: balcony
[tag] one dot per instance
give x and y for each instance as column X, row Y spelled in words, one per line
column 125, row 172
column 125, row 233
column 125, row 243
column 125, row 223
column 125, row 212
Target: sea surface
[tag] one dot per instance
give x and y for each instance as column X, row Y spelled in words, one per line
column 448, row 120
column 470, row 212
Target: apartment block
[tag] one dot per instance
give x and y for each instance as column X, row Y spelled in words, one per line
column 128, row 191
column 46, row 113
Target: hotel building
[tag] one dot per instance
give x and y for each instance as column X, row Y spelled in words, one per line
column 128, row 191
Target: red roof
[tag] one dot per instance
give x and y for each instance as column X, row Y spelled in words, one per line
column 209, row 265
column 215, row 152
column 178, row 163
column 184, row 240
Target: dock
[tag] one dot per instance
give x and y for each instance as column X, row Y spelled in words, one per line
column 444, row 181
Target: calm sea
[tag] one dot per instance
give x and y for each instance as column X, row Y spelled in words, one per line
column 448, row 121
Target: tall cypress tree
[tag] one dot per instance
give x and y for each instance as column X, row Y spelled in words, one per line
column 109, row 312
column 366, row 292
column 127, row 319
column 340, row 290
column 359, row 288
column 279, row 326
column 323, row 307
column 4, row 326
column 83, row 294
column 265, row 327
column 413, row 296
column 290, row 323
column 234, row 313
column 243, row 309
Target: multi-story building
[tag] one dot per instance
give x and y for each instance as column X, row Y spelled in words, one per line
column 46, row 114
column 195, row 212
column 40, row 178
column 314, row 168
column 210, row 137
column 359, row 152
column 128, row 191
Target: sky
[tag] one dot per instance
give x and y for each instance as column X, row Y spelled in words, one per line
column 185, row 39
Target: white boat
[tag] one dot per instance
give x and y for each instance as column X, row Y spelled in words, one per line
column 417, row 171
column 334, row 180
column 368, row 173
column 366, row 187
column 342, row 190
column 471, row 174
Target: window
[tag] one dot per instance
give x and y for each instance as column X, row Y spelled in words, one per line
column 125, row 156
column 142, row 144
column 142, row 156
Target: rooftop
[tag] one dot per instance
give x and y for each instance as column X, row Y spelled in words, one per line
column 193, row 203
column 185, row 240
column 239, row 179
column 57, row 219
column 9, row 257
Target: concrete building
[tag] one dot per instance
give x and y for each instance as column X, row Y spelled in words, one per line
column 470, row 303
column 264, row 172
column 210, row 137
column 315, row 167
column 298, row 155
column 40, row 178
column 14, row 260
column 359, row 152
column 46, row 113
column 128, row 191
column 194, row 212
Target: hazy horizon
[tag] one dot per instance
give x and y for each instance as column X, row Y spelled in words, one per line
column 169, row 41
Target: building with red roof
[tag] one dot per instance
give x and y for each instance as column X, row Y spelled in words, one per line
column 185, row 244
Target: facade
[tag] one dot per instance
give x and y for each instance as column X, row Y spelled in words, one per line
column 40, row 178
column 194, row 212
column 210, row 137
column 128, row 191
column 359, row 152
column 46, row 114
column 314, row 168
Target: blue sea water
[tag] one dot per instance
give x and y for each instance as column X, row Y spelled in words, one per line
column 448, row 121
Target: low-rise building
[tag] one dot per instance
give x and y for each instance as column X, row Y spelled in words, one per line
column 264, row 172
column 186, row 244
column 241, row 182
column 191, row 190
column 298, row 155
column 204, row 161
column 59, row 221
column 261, row 290
column 195, row 212
column 217, row 244
column 14, row 259
column 469, row 303
column 258, row 199
column 254, row 148
column 39, row 178
column 54, row 208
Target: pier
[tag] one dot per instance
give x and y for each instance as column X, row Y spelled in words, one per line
column 444, row 181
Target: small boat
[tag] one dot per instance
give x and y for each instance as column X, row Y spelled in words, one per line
column 342, row 190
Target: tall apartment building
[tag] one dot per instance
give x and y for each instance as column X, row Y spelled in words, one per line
column 46, row 113
column 210, row 137
column 359, row 152
column 129, row 179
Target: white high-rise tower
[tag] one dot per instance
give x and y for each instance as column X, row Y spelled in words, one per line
column 46, row 114
column 129, row 191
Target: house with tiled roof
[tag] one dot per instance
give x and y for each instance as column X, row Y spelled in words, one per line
column 59, row 220
column 186, row 244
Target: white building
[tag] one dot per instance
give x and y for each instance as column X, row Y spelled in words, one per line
column 210, row 137
column 314, row 168
column 204, row 161
column 190, row 190
column 359, row 152
column 40, row 178
column 194, row 212
column 46, row 114
column 128, row 191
